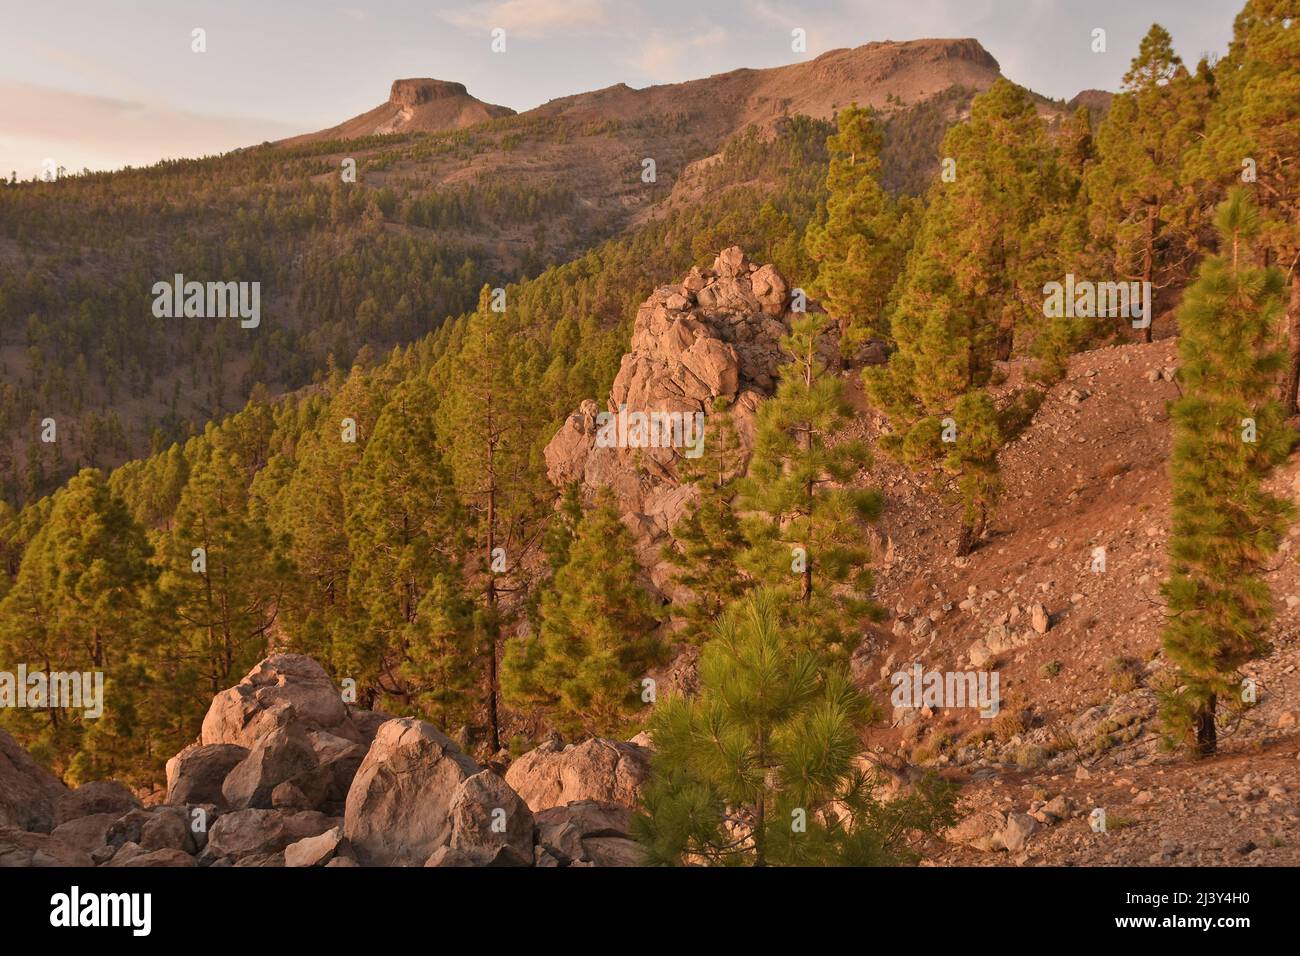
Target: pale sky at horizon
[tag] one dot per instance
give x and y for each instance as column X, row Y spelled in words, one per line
column 107, row 83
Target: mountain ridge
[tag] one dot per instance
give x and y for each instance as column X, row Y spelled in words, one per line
column 875, row 74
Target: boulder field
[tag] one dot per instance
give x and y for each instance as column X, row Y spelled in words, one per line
column 285, row 773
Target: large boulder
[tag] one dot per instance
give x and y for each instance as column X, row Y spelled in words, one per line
column 86, row 834
column 285, row 755
column 981, row 830
column 98, row 796
column 261, row 833
column 283, row 689
column 28, row 792
column 339, row 760
column 587, row 833
column 21, row 848
column 490, row 824
column 399, row 806
column 195, row 775
column 553, row 775
column 316, row 850
column 156, row 828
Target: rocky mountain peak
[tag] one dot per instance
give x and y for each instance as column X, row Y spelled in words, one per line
column 413, row 92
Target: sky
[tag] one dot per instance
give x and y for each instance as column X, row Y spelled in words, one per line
column 101, row 84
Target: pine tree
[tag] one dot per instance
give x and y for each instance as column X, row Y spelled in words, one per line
column 310, row 509
column 486, row 422
column 403, row 528
column 1229, row 433
column 974, row 462
column 1253, row 136
column 806, row 529
column 598, row 633
column 760, row 768
column 447, row 640
column 971, row 294
column 79, row 603
column 708, row 539
column 1138, row 213
column 1074, row 253
column 858, row 244
column 220, row 583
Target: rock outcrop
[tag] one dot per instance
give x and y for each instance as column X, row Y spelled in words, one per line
column 413, row 105
column 715, row 335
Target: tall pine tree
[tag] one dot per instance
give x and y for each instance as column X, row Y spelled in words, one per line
column 806, row 523
column 708, row 539
column 1229, row 433
column 1138, row 209
column 859, row 241
column 597, row 637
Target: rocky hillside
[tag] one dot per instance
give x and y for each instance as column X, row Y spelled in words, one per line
column 1062, row 600
column 285, row 773
column 1077, row 642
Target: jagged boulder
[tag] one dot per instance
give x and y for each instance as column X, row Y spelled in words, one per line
column 316, row 850
column 261, row 833
column 339, row 760
column 283, row 756
column 554, row 775
column 195, row 775
column 86, row 834
column 140, row 857
column 399, row 805
column 28, row 792
column 282, row 689
column 490, row 823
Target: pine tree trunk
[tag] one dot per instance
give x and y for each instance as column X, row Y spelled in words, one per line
column 971, row 532
column 1207, row 740
column 965, row 539
column 1148, row 267
column 1293, row 330
column 494, row 724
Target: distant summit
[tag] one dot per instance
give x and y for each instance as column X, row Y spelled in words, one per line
column 414, row 105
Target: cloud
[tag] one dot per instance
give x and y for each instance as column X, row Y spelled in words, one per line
column 532, row 19
column 78, row 129
column 662, row 54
